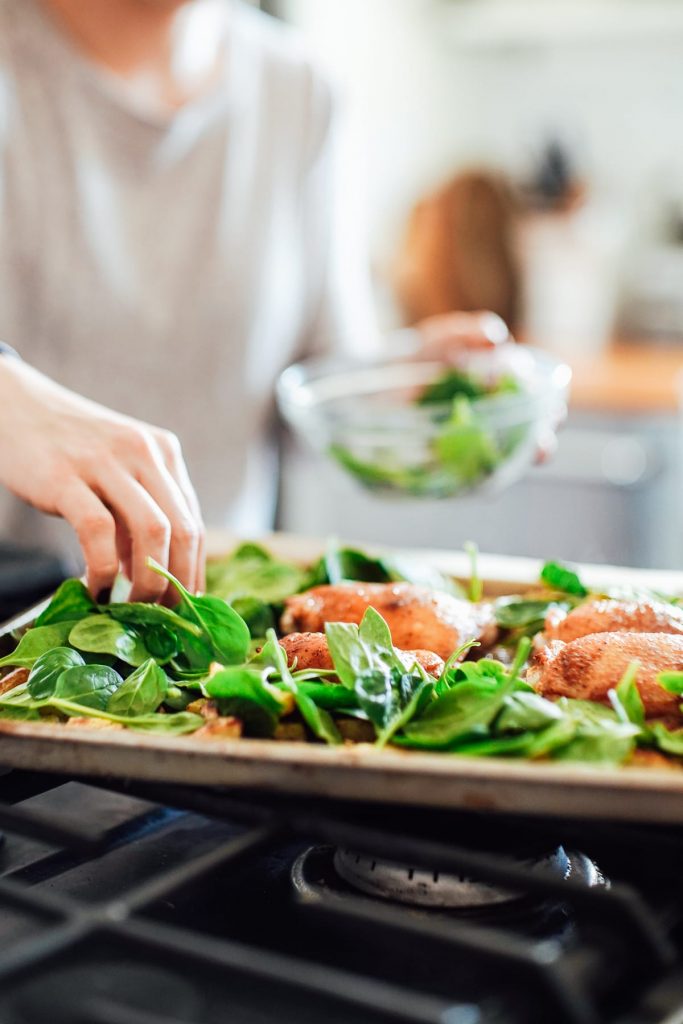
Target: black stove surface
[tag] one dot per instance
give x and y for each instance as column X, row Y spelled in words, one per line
column 155, row 904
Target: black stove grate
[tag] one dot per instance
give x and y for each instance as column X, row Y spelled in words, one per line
column 626, row 943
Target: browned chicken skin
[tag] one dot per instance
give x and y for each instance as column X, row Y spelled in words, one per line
column 418, row 618
column 310, row 650
column 608, row 616
column 590, row 666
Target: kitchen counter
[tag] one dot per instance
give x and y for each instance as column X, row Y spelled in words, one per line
column 627, row 378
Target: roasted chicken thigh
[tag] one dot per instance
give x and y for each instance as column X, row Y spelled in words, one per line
column 590, row 666
column 418, row 618
column 310, row 650
column 608, row 616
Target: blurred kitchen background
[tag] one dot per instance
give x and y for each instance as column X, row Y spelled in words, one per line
column 524, row 156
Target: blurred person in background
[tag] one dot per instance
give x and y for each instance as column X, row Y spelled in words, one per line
column 169, row 241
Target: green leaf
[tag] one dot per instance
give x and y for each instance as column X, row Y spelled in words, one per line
column 142, row 692
column 464, row 447
column 176, row 725
column 37, row 641
column 102, row 635
column 222, row 626
column 464, row 710
column 359, row 651
column 600, row 734
column 252, row 572
column 468, row 708
column 244, row 692
column 671, row 681
column 136, row 613
column 161, row 643
column 332, row 696
column 531, row 745
column 413, row 693
column 670, row 741
column 626, row 699
column 347, row 564
column 72, row 601
column 452, row 383
column 318, row 720
column 18, row 712
column 513, row 613
column 522, row 712
column 256, row 613
column 46, row 671
column 561, row 577
column 87, row 685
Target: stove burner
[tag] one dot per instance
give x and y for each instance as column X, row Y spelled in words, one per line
column 342, row 870
column 405, row 884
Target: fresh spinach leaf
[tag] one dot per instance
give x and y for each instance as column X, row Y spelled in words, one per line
column 561, row 577
column 258, row 615
column 72, row 601
column 252, row 572
column 469, row 707
column 464, row 447
column 102, row 635
column 332, row 696
column 345, row 564
column 142, row 692
column 89, row 686
column 600, row 734
column 358, row 651
column 626, row 699
column 671, row 681
column 46, row 671
column 18, row 712
column 451, row 384
column 224, row 629
column 138, row 614
column 161, row 643
column 316, row 718
column 516, row 613
column 244, row 692
column 37, row 641
column 670, row 741
column 523, row 712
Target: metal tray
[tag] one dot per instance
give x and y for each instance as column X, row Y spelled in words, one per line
column 361, row 772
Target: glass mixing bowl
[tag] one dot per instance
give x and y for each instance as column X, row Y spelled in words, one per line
column 365, row 415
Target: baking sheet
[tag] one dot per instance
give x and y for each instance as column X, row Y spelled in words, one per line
column 361, row 772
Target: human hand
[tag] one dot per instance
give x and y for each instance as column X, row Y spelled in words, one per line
column 446, row 335
column 120, row 483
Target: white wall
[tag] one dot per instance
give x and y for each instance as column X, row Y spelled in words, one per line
column 435, row 84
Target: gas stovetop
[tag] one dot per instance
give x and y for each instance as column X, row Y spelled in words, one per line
column 148, row 905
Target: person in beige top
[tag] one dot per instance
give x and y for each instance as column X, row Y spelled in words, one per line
column 169, row 242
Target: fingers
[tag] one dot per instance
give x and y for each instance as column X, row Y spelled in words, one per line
column 96, row 531
column 185, row 533
column 147, row 526
column 448, row 334
column 173, row 457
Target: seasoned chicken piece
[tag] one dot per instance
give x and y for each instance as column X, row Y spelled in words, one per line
column 223, row 727
column 418, row 618
column 608, row 616
column 592, row 665
column 14, row 678
column 310, row 650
